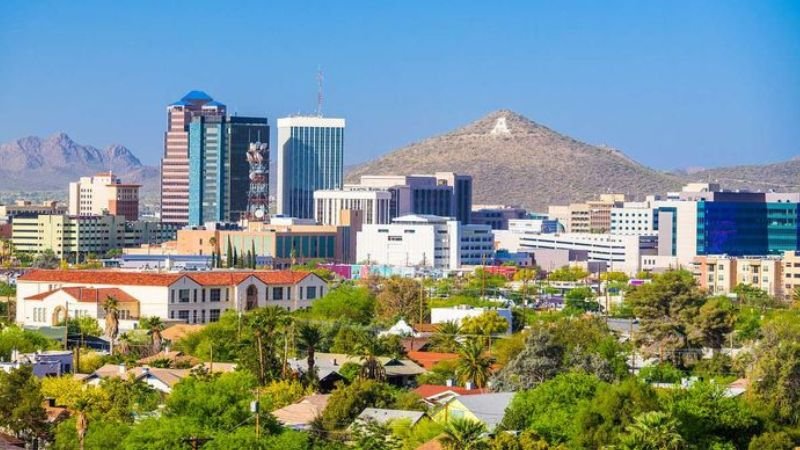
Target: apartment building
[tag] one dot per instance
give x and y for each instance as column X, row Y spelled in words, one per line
column 720, row 275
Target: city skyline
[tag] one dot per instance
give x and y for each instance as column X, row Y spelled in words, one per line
column 715, row 84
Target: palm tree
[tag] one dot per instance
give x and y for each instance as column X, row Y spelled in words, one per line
column 446, row 337
column 654, row 430
column 265, row 324
column 473, row 365
column 368, row 349
column 123, row 344
column 154, row 327
column 111, row 308
column 464, row 434
column 79, row 409
column 310, row 337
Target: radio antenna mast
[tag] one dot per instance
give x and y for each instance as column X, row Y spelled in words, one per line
column 319, row 92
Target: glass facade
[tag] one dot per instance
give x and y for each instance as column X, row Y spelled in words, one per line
column 313, row 161
column 746, row 227
column 218, row 168
column 309, row 246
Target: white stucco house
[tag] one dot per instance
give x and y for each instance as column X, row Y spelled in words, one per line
column 46, row 297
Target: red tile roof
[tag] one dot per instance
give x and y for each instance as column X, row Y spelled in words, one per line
column 113, row 277
column 89, row 295
column 430, row 390
column 429, row 359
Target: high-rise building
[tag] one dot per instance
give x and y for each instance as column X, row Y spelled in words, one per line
column 101, row 194
column 175, row 163
column 218, row 166
column 310, row 152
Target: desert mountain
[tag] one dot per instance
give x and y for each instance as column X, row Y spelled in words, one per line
column 782, row 176
column 514, row 160
column 39, row 164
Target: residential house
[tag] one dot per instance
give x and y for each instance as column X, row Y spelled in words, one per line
column 300, row 415
column 488, row 409
column 400, row 372
column 435, row 394
column 386, row 416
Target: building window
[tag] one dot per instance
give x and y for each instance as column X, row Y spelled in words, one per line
column 214, row 295
column 183, row 295
column 183, row 315
column 213, row 315
column 311, row 293
column 277, row 293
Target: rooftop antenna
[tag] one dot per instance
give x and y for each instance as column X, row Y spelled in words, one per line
column 319, row 92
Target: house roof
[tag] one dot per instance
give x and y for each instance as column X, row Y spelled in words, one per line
column 327, row 363
column 435, row 390
column 433, row 444
column 429, row 359
column 179, row 330
column 121, row 278
column 488, row 408
column 302, row 413
column 170, row 377
column 387, row 415
column 217, row 367
column 89, row 295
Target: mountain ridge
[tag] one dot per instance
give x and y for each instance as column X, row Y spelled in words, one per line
column 50, row 163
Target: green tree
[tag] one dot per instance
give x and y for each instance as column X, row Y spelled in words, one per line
column 154, row 327
column 46, row 260
column 653, row 430
column 473, row 364
column 485, row 325
column 369, row 350
column 568, row 273
column 372, row 435
column 541, row 359
column 550, row 408
column 229, row 261
column 111, row 310
column 581, row 300
column 772, row 440
column 401, row 298
column 713, row 322
column 464, row 434
column 445, row 338
column 602, row 421
column 666, row 308
column 265, row 327
column 753, row 296
column 24, row 341
column 21, row 400
column 776, row 376
column 347, row 402
column 310, row 337
column 346, row 302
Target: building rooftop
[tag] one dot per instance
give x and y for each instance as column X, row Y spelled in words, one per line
column 384, row 416
column 196, row 97
column 120, row 278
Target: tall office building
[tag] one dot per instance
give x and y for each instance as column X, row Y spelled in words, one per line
column 310, row 152
column 175, row 163
column 218, row 167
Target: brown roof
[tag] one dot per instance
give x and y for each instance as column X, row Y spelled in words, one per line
column 433, row 444
column 55, row 413
column 115, row 277
column 429, row 359
column 302, row 412
column 90, row 295
column 179, row 330
column 425, row 327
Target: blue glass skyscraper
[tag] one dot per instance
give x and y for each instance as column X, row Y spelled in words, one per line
column 310, row 158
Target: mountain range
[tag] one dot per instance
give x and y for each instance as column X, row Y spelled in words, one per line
column 512, row 159
column 516, row 161
column 44, row 164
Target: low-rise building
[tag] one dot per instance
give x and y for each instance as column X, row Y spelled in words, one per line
column 426, row 241
column 593, row 216
column 47, row 297
column 496, row 216
column 791, row 274
column 73, row 237
column 104, row 193
column 51, row 363
column 28, row 208
column 721, row 274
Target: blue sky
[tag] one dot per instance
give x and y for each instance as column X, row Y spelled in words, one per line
column 672, row 84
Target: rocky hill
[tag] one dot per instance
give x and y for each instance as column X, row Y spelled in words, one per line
column 782, row 176
column 41, row 164
column 514, row 160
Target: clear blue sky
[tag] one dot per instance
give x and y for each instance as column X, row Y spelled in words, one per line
column 672, row 84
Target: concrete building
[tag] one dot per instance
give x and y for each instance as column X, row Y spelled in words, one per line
column 428, row 241
column 374, row 204
column 496, row 216
column 635, row 218
column 310, row 155
column 103, row 193
column 73, row 237
column 593, row 216
column 285, row 244
column 218, row 167
column 791, row 274
column 28, row 208
column 720, row 275
column 175, row 163
column 47, row 297
column 444, row 194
